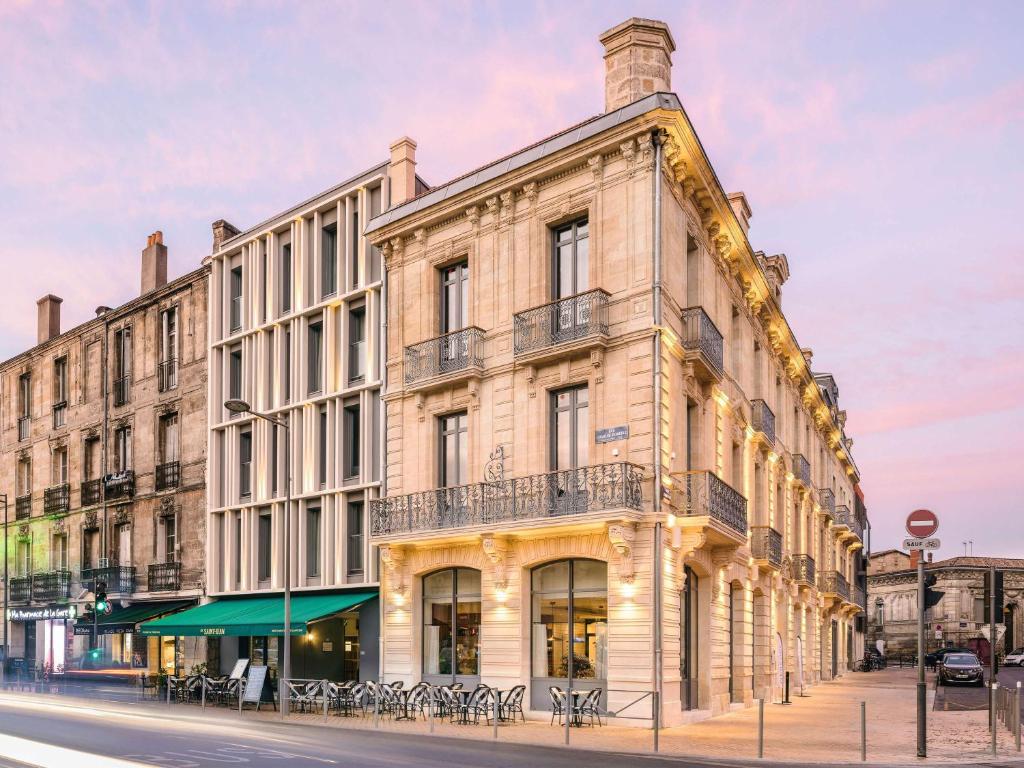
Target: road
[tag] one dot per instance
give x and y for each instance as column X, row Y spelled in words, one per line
column 964, row 697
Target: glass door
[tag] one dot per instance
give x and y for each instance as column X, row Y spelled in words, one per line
column 570, row 450
column 688, row 633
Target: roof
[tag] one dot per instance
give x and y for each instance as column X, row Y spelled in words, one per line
column 889, row 552
column 978, row 562
column 537, row 151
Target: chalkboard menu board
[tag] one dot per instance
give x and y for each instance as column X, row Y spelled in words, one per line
column 254, row 685
column 239, row 669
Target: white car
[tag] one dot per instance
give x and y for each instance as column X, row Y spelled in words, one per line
column 1015, row 659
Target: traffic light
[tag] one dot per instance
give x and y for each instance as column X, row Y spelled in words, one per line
column 102, row 604
column 931, row 595
column 999, row 596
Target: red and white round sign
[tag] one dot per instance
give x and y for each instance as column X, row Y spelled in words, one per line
column 922, row 523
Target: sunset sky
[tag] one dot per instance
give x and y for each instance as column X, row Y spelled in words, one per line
column 880, row 145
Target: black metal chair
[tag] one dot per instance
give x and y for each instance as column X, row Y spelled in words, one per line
column 513, row 704
column 557, row 696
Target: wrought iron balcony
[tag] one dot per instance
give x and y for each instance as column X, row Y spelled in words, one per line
column 119, row 579
column 834, row 583
column 827, row 501
column 92, row 492
column 21, row 589
column 764, row 420
column 703, row 493
column 24, row 428
column 120, row 485
column 23, row 507
column 57, row 500
column 122, row 390
column 168, row 475
column 860, row 598
column 559, row 322
column 856, row 526
column 552, row 495
column 766, row 545
column 803, row 569
column 164, row 577
column 841, row 517
column 450, row 353
column 167, row 374
column 51, row 587
column 801, row 470
column 60, row 412
column 703, row 341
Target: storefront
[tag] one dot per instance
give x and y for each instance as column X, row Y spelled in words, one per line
column 40, row 637
column 118, row 644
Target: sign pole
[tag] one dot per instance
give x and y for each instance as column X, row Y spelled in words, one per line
column 991, row 643
column 922, row 689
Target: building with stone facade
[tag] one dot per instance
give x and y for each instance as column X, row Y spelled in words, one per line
column 959, row 618
column 608, row 459
column 103, row 461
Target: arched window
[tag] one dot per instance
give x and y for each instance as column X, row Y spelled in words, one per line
column 570, row 593
column 451, row 624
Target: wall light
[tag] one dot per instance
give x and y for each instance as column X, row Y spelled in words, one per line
column 628, row 590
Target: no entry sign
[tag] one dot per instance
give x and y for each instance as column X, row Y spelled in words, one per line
column 922, row 523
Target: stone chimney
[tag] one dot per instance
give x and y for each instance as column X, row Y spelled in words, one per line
column 222, row 232
column 741, row 208
column 402, row 171
column 154, row 263
column 49, row 317
column 637, row 61
column 915, row 558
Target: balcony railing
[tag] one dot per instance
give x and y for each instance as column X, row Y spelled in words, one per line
column 60, row 412
column 92, row 492
column 122, row 390
column 801, row 470
column 118, row 578
column 700, row 335
column 57, row 500
column 803, row 569
column 860, row 598
column 827, row 501
column 841, row 516
column 23, row 507
column 705, row 494
column 21, row 589
column 552, row 495
column 857, row 526
column 164, row 577
column 834, row 583
column 565, row 320
column 449, row 353
column 24, row 428
column 168, row 475
column 766, row 544
column 120, row 485
column 167, row 374
column 51, row 587
column 764, row 420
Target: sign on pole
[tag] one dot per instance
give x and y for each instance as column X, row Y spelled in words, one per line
column 921, row 543
column 922, row 523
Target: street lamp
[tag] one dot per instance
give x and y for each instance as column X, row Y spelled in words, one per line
column 241, row 406
column 3, row 662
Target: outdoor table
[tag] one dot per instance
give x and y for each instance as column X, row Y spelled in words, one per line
column 574, row 714
column 501, row 693
column 402, row 704
column 463, row 697
column 174, row 685
column 215, row 688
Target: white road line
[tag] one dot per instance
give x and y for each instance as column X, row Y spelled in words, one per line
column 48, row 756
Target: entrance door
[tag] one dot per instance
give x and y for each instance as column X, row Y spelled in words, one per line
column 30, row 645
column 732, row 638
column 688, row 629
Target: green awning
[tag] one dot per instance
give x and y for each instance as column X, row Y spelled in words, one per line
column 255, row 616
column 122, row 621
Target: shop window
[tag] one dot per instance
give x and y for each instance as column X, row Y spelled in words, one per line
column 451, row 623
column 570, row 593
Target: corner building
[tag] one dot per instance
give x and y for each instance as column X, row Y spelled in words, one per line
column 607, row 455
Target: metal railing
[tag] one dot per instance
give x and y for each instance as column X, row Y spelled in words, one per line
column 122, row 390
column 21, row 589
column 857, row 526
column 23, row 507
column 701, row 335
column 60, row 412
column 834, row 583
column 449, row 353
column 51, row 586
column 118, row 578
column 766, row 544
column 92, row 492
column 704, row 493
column 167, row 374
column 554, row 494
column 801, row 470
column 803, row 569
column 764, row 420
column 860, row 597
column 168, row 475
column 120, row 485
column 24, row 428
column 827, row 501
column 57, row 500
column 164, row 577
column 841, row 516
column 561, row 321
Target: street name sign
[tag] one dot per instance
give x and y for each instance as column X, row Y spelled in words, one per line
column 921, row 543
column 922, row 523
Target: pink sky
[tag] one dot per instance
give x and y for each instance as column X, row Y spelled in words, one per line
column 880, row 146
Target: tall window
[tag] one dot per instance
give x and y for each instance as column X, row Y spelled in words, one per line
column 235, row 373
column 167, row 438
column 245, row 463
column 59, row 552
column 735, row 342
column 454, row 297
column 313, row 542
column 60, row 390
column 90, row 548
column 688, row 640
column 273, row 460
column 572, row 259
column 265, row 534
column 321, row 463
column 329, row 260
column 570, row 611
column 454, row 450
column 451, row 623
column 24, row 476
column 60, row 466
column 168, row 352
column 122, row 365
column 356, row 344
column 354, row 529
column 570, row 428
column 123, row 449
column 315, row 371
column 91, row 459
column 286, row 373
column 354, row 276
column 286, row 278
column 25, row 395
column 352, row 430
column 170, row 538
column 236, row 299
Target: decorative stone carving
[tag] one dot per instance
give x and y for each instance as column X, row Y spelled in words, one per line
column 530, row 193
column 166, row 507
column 508, row 205
column 393, row 558
column 645, row 146
column 621, row 536
column 496, row 550
column 420, row 235
column 596, row 164
column 122, row 515
column 492, row 206
column 628, row 150
column 90, row 520
column 397, row 247
column 24, row 532
column 473, row 216
column 59, row 526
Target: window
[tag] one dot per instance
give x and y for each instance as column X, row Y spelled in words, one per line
column 273, row 459
column 60, row 391
column 236, row 299
column 354, row 527
column 24, row 557
column 122, row 365
column 123, row 449
column 90, row 548
column 454, row 297
column 168, row 350
column 167, row 438
column 571, row 263
column 235, row 373
column 451, row 623
column 60, row 466
column 25, row 395
column 265, row 267
column 286, row 278
column 735, row 342
column 286, row 373
column 329, row 260
column 454, row 449
column 59, row 552
column 313, row 542
column 321, row 463
column 245, row 463
column 24, row 477
column 315, row 370
column 170, row 542
column 354, row 235
column 570, row 594
column 265, row 534
column 352, row 440
column 570, row 428
column 91, row 458
column 357, row 343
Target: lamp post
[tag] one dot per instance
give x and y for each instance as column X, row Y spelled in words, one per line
column 3, row 662
column 241, row 406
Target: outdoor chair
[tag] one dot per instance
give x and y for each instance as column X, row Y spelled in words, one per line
column 357, row 697
column 301, row 695
column 557, row 696
column 192, row 690
column 481, row 703
column 513, row 704
column 418, row 698
column 590, row 707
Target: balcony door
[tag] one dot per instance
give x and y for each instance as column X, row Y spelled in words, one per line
column 454, row 351
column 453, row 460
column 570, row 449
column 571, row 276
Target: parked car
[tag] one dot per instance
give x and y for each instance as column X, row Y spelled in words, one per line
column 961, row 668
column 934, row 658
column 1015, row 658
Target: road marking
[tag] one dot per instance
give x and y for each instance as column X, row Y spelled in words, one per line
column 43, row 755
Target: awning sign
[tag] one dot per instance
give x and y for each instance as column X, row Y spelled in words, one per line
column 32, row 613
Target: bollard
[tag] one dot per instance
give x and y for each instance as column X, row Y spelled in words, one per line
column 497, row 711
column 202, row 695
column 863, row 731
column 241, row 694
column 168, row 684
column 376, row 706
column 995, row 726
column 656, row 703
column 1016, row 716
column 431, row 708
column 760, row 728
column 567, row 710
column 786, row 700
column 325, row 700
